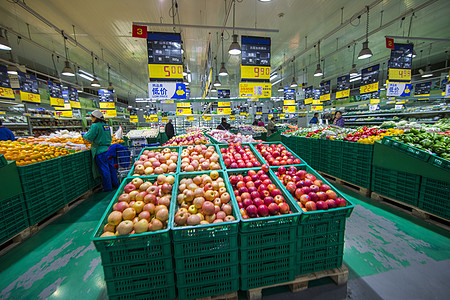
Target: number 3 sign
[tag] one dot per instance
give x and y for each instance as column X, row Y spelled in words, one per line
column 139, row 31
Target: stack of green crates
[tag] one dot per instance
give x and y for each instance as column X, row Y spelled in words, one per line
column 357, row 163
column 267, row 245
column 331, row 157
column 397, row 185
column 139, row 266
column 206, row 256
column 43, row 188
column 320, row 235
column 433, row 197
column 75, row 181
column 13, row 212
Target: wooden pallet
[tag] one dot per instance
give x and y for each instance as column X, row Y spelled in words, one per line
column 338, row 275
column 228, row 296
column 14, row 241
column 413, row 210
column 360, row 190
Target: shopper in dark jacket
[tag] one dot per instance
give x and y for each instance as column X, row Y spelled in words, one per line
column 315, row 119
column 6, row 134
column 338, row 119
column 224, row 125
column 170, row 131
column 255, row 123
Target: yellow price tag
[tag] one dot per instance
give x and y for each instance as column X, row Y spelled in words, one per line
column 270, row 116
column 255, row 72
column 374, row 101
column 107, row 105
column 56, row 101
column 232, row 117
column 2, row 113
column 399, row 74
column 183, row 111
column 255, row 90
column 368, row 88
column 224, row 104
column 289, row 102
column 63, row 114
column 190, row 118
column 164, row 119
column 317, row 108
column 206, row 118
column 30, row 97
column 308, row 100
column 6, row 93
column 184, row 104
column 109, row 113
column 325, row 97
column 288, row 109
column 224, row 111
column 76, row 104
column 316, row 102
column 343, row 94
column 158, row 71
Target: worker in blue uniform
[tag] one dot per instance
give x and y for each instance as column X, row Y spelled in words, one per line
column 100, row 137
column 5, row 133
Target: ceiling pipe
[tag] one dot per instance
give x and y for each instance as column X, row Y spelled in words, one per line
column 22, row 4
column 206, row 27
column 417, row 38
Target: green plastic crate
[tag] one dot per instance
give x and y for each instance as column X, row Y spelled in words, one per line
column 212, row 140
column 136, row 247
column 137, row 269
column 413, row 151
column 261, row 158
column 188, row 234
column 149, row 282
column 42, row 175
column 320, row 265
column 358, row 174
column 434, row 197
column 159, row 149
column 397, row 185
column 440, row 162
column 255, row 281
column 268, row 253
column 208, row 289
column 160, row 293
column 43, row 202
column 73, row 161
column 13, row 217
column 214, row 274
column 205, row 261
column 257, row 156
column 216, row 148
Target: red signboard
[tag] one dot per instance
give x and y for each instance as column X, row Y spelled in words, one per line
column 389, row 43
column 139, row 31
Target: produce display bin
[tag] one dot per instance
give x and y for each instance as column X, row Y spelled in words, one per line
column 413, row 151
column 440, row 162
column 255, row 153
column 159, row 149
column 216, row 148
column 127, row 260
column 397, row 185
column 357, row 163
column 261, row 158
column 13, row 217
column 212, row 140
column 319, row 232
column 433, row 197
column 210, row 250
column 264, row 241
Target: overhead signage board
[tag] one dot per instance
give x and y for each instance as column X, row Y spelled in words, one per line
column 369, row 79
column 6, row 92
column 255, row 89
column 289, row 94
column 325, row 91
column 224, row 110
column 400, row 63
column 109, row 113
column 255, row 58
column 316, row 94
column 422, row 89
column 289, row 109
column 398, row 89
column 343, row 87
column 55, row 91
column 223, row 94
column 73, row 97
column 106, row 99
column 224, row 104
column 309, row 95
column 29, row 91
column 164, row 56
column 167, row 90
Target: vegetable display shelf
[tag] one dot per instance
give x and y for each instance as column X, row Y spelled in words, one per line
column 414, row 152
column 267, row 245
column 211, row 251
column 320, row 234
column 127, row 259
column 433, row 197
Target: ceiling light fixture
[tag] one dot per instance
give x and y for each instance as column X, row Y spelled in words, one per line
column 413, row 54
column 67, row 71
column 427, row 72
column 353, row 71
column 94, row 82
column 85, row 75
column 318, row 71
column 223, row 70
column 217, row 81
column 110, row 86
column 294, row 82
column 12, row 70
column 235, row 48
column 281, row 89
column 365, row 51
column 264, row 0
column 4, row 43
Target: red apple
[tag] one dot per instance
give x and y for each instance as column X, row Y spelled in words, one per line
column 305, row 199
column 331, row 194
column 268, row 200
column 284, row 208
column 340, row 202
column 322, row 196
column 331, row 203
column 275, row 192
column 274, row 209
column 310, row 206
column 252, row 211
column 325, row 187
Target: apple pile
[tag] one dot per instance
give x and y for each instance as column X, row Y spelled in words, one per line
column 236, row 156
column 257, row 196
column 203, row 200
column 193, row 138
column 156, row 162
column 143, row 206
column 277, row 155
column 311, row 193
column 199, row 158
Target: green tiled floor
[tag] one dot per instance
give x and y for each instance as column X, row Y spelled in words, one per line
column 381, row 244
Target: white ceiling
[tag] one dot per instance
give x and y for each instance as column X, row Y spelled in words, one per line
column 104, row 26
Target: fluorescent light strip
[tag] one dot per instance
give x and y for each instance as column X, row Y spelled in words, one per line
column 355, row 79
column 85, row 76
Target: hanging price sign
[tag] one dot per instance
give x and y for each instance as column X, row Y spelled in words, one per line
column 164, row 55
column 5, row 86
column 29, row 91
column 369, row 79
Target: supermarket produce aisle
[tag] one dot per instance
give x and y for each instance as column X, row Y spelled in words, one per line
column 390, row 255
